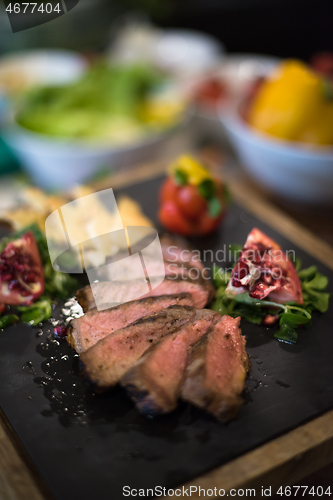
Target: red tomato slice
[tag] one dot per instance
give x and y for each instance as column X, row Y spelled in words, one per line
column 263, row 269
column 190, row 202
column 169, row 190
column 207, row 224
column 172, row 219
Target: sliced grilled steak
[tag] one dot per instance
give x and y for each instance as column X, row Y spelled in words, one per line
column 154, row 382
column 175, row 250
column 95, row 325
column 217, row 368
column 110, row 358
column 171, row 269
column 107, row 291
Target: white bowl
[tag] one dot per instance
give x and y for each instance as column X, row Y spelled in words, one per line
column 294, row 171
column 21, row 70
column 186, row 52
column 237, row 72
column 56, row 163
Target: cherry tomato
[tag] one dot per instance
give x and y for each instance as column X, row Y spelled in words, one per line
column 210, row 92
column 169, row 190
column 172, row 219
column 208, row 224
column 190, row 202
column 323, row 63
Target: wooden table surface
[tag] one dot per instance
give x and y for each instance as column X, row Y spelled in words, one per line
column 283, row 461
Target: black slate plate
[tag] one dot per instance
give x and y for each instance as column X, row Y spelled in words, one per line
column 90, row 446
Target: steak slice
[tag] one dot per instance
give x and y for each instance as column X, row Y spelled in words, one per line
column 217, row 368
column 175, row 250
column 154, row 382
column 201, row 291
column 110, row 358
column 95, row 325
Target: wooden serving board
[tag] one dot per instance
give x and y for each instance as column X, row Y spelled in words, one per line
column 280, row 461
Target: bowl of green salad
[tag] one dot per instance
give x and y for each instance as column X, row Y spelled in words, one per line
column 113, row 115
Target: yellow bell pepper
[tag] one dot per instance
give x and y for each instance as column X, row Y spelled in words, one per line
column 161, row 113
column 292, row 104
column 193, row 170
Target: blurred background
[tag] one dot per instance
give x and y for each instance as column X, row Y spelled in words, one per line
column 145, row 79
column 283, row 28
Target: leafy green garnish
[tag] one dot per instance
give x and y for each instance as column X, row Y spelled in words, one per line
column 37, row 312
column 291, row 314
column 313, row 286
column 8, row 319
column 286, row 334
column 207, row 189
column 106, row 100
column 57, row 285
column 181, row 177
column 214, row 207
column 234, row 251
column 220, row 278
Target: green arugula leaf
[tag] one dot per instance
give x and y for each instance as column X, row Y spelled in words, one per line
column 308, row 273
column 37, row 312
column 8, row 319
column 313, row 286
column 220, row 277
column 207, row 189
column 293, row 320
column 319, row 282
column 60, row 285
column 244, row 298
column 221, row 306
column 235, row 250
column 319, row 300
column 33, row 317
column 181, row 177
column 296, row 262
column 214, row 207
column 286, row 334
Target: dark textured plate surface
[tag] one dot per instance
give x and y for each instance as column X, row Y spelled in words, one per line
column 90, row 446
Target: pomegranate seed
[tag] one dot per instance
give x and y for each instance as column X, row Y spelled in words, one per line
column 258, row 291
column 60, row 331
column 241, row 270
column 13, row 285
column 7, row 277
column 236, row 283
column 30, row 278
column 267, row 278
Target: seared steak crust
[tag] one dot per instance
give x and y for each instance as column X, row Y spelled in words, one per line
column 154, row 382
column 110, row 358
column 216, row 371
column 95, row 325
